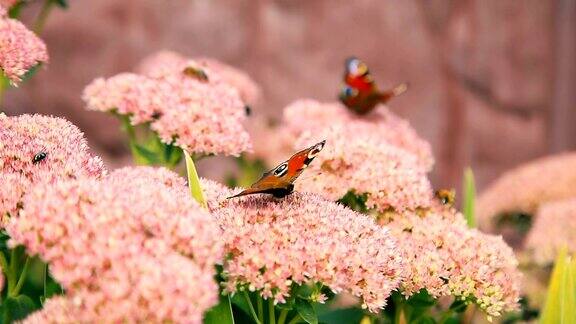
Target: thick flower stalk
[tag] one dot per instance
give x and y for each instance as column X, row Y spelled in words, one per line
column 391, row 176
column 554, row 228
column 20, row 49
column 447, row 258
column 129, row 248
column 274, row 244
column 525, row 188
column 36, row 151
column 202, row 116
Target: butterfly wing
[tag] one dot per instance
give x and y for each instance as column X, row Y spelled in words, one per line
column 357, row 75
column 279, row 181
column 394, row 92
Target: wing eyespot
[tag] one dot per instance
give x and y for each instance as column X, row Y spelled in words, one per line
column 281, row 170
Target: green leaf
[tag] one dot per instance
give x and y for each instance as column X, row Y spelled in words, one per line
column 31, row 72
column 4, row 240
column 61, row 3
column 342, row 316
column 194, row 181
column 561, row 297
column 15, row 10
column 306, row 311
column 144, row 155
column 469, row 197
column 421, row 299
column 221, row 313
column 458, row 306
column 17, row 308
column 355, row 201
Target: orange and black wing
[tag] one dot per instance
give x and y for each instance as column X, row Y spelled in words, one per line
column 279, row 181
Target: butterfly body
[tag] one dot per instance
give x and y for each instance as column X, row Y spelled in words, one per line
column 360, row 93
column 279, row 182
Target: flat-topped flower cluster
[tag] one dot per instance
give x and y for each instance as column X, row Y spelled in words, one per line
column 203, row 115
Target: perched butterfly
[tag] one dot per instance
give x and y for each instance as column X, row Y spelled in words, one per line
column 359, row 92
column 195, row 72
column 446, row 197
column 279, row 182
column 39, row 157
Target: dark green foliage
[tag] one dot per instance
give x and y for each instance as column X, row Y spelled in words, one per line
column 341, row 315
column 16, row 308
column 221, row 313
column 355, row 201
column 525, row 314
column 521, row 222
column 306, row 311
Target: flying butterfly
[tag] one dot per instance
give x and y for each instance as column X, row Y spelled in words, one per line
column 446, row 196
column 279, row 181
column 359, row 92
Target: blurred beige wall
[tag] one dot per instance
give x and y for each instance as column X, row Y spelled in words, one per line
column 491, row 80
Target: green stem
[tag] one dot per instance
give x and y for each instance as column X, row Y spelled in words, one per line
column 260, row 309
column 45, row 279
column 398, row 309
column 282, row 317
column 43, row 16
column 295, row 320
column 194, row 181
column 271, row 312
column 128, row 128
column 3, row 263
column 132, row 140
column 252, row 311
column 4, row 83
column 12, row 270
column 21, row 280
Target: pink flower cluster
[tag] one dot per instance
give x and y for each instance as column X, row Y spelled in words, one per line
column 37, row 150
column 166, row 62
column 20, row 48
column 554, row 228
column 380, row 126
column 447, row 258
column 202, row 116
column 132, row 247
column 390, row 175
column 302, row 238
column 525, row 188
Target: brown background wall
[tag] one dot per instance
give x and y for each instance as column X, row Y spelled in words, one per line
column 493, row 81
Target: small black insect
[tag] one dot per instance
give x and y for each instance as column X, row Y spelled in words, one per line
column 39, row 157
column 156, row 115
column 248, row 110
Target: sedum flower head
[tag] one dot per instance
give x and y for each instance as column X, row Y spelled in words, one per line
column 166, row 62
column 302, row 238
column 447, row 258
column 37, row 150
column 124, row 250
column 20, row 48
column 526, row 187
column 201, row 116
column 379, row 126
column 390, row 176
column 554, row 228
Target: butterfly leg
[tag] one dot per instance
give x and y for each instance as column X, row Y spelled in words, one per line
column 282, row 192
